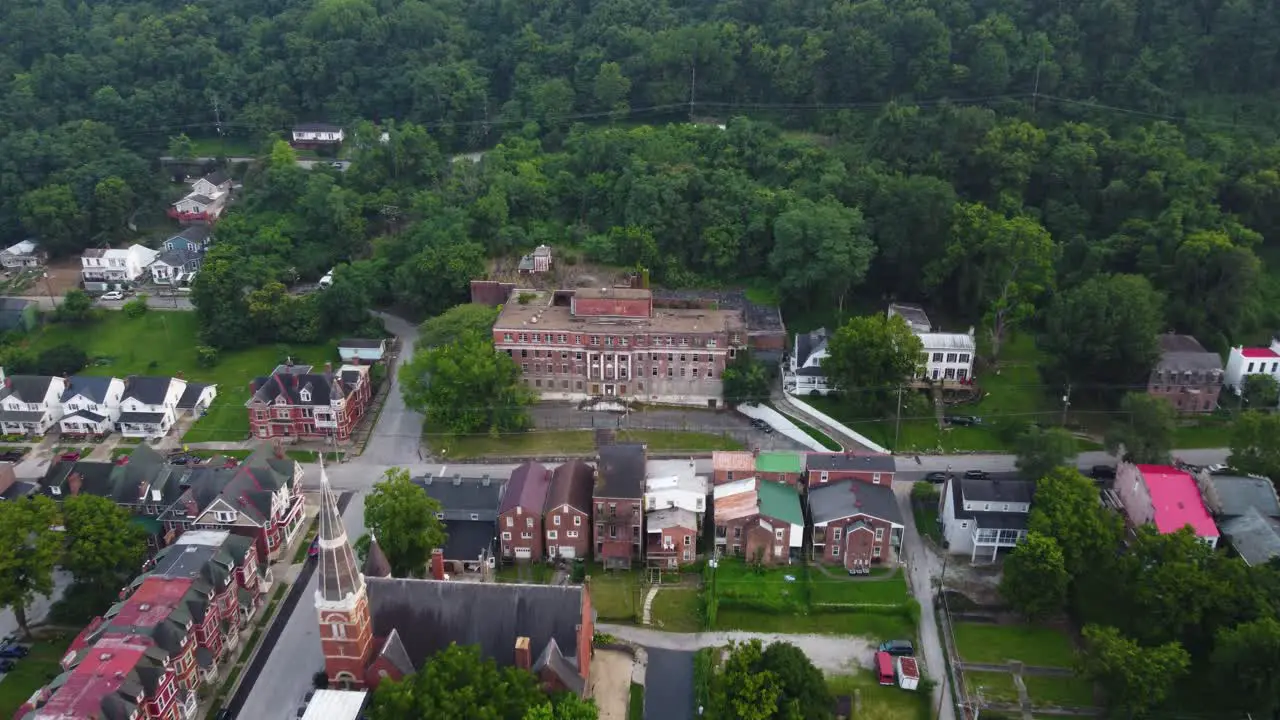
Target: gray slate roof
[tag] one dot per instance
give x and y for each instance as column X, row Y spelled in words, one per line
column 1236, row 495
column 566, row 670
column 998, row 487
column 431, row 614
column 291, row 380
column 361, row 343
column 809, row 343
column 459, row 496
column 20, row 416
column 147, row 389
column 189, row 396
column 1254, row 536
column 141, row 417
column 177, row 257
column 29, row 388
column 997, row 520
column 1183, row 352
column 850, row 461
column 846, row 498
column 621, row 471
column 671, row 517
column 92, row 387
column 467, row 539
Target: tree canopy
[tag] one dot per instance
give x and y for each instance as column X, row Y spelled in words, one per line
column 762, row 683
column 870, row 356
column 29, row 549
column 403, row 518
column 1145, row 429
column 466, row 387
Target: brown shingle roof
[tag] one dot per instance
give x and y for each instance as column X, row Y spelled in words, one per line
column 571, row 485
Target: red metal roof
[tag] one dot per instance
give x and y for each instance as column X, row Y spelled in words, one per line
column 909, row 668
column 1176, row 500
column 1259, row 352
column 106, row 667
column 884, row 663
column 152, row 602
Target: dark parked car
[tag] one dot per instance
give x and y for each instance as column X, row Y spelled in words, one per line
column 964, row 420
column 12, row 456
column 975, row 474
column 14, row 651
column 898, row 647
column 1102, row 472
column 6, row 666
column 935, row 477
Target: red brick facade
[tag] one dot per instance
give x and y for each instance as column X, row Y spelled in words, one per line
column 346, row 639
column 298, row 419
column 858, row 540
column 823, row 477
column 745, row 538
column 618, row 526
column 673, row 547
column 567, row 527
column 520, row 530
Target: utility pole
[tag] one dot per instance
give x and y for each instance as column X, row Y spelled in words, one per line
column 693, row 89
column 897, row 424
column 1066, row 403
column 1035, row 88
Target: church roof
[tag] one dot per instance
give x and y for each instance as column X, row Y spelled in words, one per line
column 339, row 574
column 376, row 563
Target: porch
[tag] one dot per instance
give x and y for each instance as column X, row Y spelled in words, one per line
column 988, row 540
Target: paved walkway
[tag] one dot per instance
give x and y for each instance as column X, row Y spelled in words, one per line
column 830, row 653
column 647, row 617
column 923, row 566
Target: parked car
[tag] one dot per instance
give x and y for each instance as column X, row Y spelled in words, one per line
column 69, row 457
column 898, row 647
column 314, row 550
column 113, row 295
column 12, row 456
column 975, row 474
column 1102, row 472
column 337, row 163
column 935, row 477
column 14, row 652
column 6, row 666
column 758, row 423
column 1217, row 468
column 964, row 420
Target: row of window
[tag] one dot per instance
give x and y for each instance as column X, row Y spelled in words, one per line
column 709, row 374
column 528, row 521
column 551, row 535
column 835, row 551
column 609, row 357
column 950, row 357
column 610, row 341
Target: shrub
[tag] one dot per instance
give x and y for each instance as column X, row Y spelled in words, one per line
column 525, row 298
column 136, row 307
column 207, row 356
column 64, row 359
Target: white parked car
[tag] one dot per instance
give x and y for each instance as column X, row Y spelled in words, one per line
column 1217, row 468
column 113, row 295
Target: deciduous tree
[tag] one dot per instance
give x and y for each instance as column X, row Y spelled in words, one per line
column 466, row 387
column 566, row 706
column 745, row 380
column 458, row 683
column 1253, row 444
column 1144, row 429
column 870, row 356
column 1040, row 451
column 1104, row 332
column 1260, row 392
column 75, row 307
column 56, row 217
column 29, row 548
column 1246, row 666
column 104, row 547
column 456, row 322
column 1136, row 679
column 1067, row 510
column 1035, row 577
column 820, row 251
column 112, row 205
column 403, row 518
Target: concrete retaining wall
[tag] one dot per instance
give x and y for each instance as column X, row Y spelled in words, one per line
column 808, row 410
column 782, row 424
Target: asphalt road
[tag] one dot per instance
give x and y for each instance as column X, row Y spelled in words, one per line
column 396, row 437
column 668, row 685
column 922, row 567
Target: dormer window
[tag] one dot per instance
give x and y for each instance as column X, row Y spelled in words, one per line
column 226, row 516
column 305, row 395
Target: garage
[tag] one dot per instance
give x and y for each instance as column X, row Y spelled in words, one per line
column 524, row 553
column 567, row 552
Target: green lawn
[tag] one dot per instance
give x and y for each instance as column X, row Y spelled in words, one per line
column 677, row 610
column 31, row 673
column 889, row 591
column 736, row 581
column 878, row 701
column 222, row 147
column 994, row 686
column 1059, row 691
column 576, row 442
column 635, row 706
column 1208, row 433
column 924, row 508
column 535, row 573
column 811, row 431
column 878, row 627
column 164, row 343
column 617, row 595
column 989, row 643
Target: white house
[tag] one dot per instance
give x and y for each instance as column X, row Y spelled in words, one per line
column 90, row 405
column 915, row 316
column 948, row 356
column 318, row 134
column 100, row 268
column 30, row 404
column 983, row 516
column 806, row 363
column 362, row 351
column 1245, row 361
column 206, row 201
column 675, row 484
column 24, row 254
column 149, row 405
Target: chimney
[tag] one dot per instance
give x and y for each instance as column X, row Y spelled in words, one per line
column 74, row 483
column 437, row 564
column 288, row 361
column 7, row 476
column 755, row 451
column 524, row 657
column 192, row 508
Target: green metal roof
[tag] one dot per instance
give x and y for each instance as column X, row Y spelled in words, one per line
column 149, row 525
column 781, row 501
column 779, row 462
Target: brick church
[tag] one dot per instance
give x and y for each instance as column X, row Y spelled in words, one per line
column 374, row 626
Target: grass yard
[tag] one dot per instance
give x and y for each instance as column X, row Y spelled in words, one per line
column 879, row 627
column 223, row 147
column 993, row 686
column 635, row 703
column 769, row 587
column 924, row 508
column 575, row 442
column 617, row 595
column 1208, row 433
column 989, row 643
column 31, row 673
column 535, row 573
column 677, row 610
column 880, row 702
column 811, row 431
column 164, row 343
column 1059, row 691
column 889, row 591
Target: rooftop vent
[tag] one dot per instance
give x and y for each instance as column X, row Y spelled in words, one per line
column 144, row 607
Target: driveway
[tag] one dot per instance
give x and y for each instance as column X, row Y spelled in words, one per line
column 922, row 567
column 668, row 685
column 396, row 438
column 829, row 653
column 611, row 683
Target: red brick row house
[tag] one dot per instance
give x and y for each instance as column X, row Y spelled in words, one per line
column 758, row 520
column 855, row 524
column 520, row 530
column 618, row 495
column 296, row 402
column 567, row 513
column 873, row 468
column 672, row 537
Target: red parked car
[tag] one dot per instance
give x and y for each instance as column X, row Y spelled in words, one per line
column 69, row 457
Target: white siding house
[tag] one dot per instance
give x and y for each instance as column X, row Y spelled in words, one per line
column 983, row 516
column 806, row 376
column 1245, row 361
column 149, row 405
column 30, row 404
column 357, row 350
column 115, row 266
column 318, row 134
column 948, row 356
column 675, row 484
column 24, row 254
column 90, row 405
